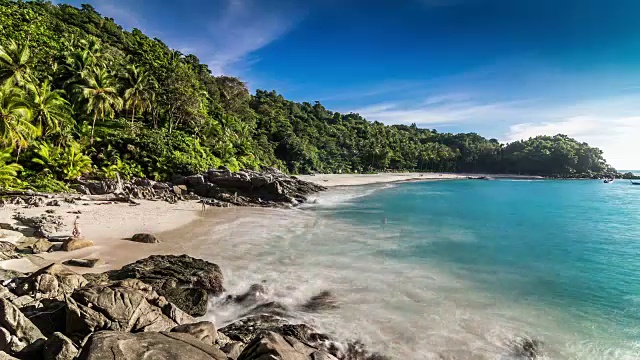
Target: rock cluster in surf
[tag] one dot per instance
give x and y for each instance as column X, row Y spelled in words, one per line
column 147, row 308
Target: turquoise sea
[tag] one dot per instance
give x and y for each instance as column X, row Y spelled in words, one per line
column 461, row 269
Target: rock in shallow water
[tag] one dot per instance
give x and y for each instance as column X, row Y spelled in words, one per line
column 145, row 238
column 74, row 243
column 109, row 345
column 87, row 263
column 271, row 345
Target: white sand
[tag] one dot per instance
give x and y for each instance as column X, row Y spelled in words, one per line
column 331, row 180
column 107, row 225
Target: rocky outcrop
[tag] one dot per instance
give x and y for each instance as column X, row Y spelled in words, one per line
column 181, row 279
column 109, row 345
column 43, row 225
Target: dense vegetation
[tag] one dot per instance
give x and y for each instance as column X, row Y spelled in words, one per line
column 81, row 96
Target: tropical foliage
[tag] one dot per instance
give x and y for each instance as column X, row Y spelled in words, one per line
column 79, row 95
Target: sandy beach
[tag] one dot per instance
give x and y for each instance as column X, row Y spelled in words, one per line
column 331, row 180
column 108, row 225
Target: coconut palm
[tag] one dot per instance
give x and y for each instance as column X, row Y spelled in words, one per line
column 15, row 118
column 77, row 66
column 50, row 109
column 15, row 62
column 137, row 95
column 101, row 95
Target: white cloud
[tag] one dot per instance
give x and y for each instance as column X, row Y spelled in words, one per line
column 244, row 26
column 442, row 109
column 617, row 137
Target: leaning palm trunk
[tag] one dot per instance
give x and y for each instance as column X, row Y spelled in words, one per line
column 93, row 126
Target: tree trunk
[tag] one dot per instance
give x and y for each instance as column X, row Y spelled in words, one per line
column 93, row 126
column 133, row 115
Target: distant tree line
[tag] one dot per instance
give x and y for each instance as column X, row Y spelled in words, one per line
column 80, row 96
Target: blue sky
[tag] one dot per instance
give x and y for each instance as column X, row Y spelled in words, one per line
column 507, row 69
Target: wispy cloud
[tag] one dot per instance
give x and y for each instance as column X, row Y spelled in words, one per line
column 244, row 26
column 119, row 11
column 443, row 109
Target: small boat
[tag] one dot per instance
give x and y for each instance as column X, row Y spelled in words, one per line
column 606, row 181
column 635, row 182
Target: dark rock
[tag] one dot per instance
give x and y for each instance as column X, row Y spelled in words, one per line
column 271, row 308
column 87, row 263
column 49, row 315
column 145, row 238
column 204, row 331
column 36, row 201
column 80, row 189
column 32, row 351
column 206, row 190
column 232, row 349
column 54, row 202
column 108, row 345
column 178, row 180
column 59, row 347
column 177, row 271
column 53, row 281
column 74, row 243
column 193, row 301
column 161, row 186
column 195, row 180
column 527, row 348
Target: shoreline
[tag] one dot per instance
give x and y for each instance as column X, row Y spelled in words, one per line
column 334, row 180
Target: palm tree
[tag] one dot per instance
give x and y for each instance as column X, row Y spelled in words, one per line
column 50, row 110
column 8, row 172
column 137, row 96
column 15, row 63
column 15, row 118
column 101, row 95
column 77, row 67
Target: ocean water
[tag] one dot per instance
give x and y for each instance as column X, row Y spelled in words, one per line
column 448, row 269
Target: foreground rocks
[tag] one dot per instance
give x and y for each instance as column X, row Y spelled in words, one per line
column 129, row 313
column 108, row 345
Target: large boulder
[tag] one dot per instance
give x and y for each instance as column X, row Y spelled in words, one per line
column 109, row 345
column 204, row 331
column 128, row 305
column 49, row 315
column 16, row 330
column 171, row 276
column 59, row 347
column 53, row 281
column 44, row 225
column 271, row 345
column 74, row 243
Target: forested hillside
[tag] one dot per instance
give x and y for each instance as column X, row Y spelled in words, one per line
column 80, row 96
